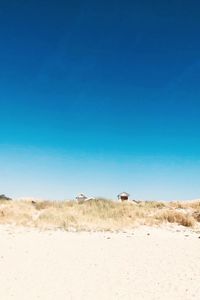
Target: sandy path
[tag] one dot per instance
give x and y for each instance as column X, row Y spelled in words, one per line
column 58, row 265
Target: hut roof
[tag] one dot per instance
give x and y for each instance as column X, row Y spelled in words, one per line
column 124, row 194
column 81, row 196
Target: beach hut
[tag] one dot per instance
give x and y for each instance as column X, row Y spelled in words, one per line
column 123, row 196
column 81, row 198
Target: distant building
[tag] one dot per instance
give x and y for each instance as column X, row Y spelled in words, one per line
column 123, row 196
column 81, row 198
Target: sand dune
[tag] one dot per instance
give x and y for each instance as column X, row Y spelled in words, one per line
column 98, row 215
column 147, row 263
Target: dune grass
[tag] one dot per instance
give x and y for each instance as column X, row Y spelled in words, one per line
column 97, row 215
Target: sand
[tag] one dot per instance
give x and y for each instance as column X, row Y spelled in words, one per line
column 148, row 264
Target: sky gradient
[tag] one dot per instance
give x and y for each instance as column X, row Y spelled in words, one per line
column 100, row 97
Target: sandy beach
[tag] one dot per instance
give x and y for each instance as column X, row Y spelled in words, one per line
column 147, row 263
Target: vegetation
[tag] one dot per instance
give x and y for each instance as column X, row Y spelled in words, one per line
column 98, row 215
column 4, row 198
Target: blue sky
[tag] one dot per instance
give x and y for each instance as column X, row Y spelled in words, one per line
column 100, row 97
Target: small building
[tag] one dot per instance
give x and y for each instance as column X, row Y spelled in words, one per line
column 123, row 196
column 81, row 198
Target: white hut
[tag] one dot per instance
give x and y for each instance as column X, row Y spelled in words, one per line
column 123, row 196
column 81, row 198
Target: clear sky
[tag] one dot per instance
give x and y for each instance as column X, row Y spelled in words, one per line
column 100, row 97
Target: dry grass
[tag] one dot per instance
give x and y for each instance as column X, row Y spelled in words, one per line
column 97, row 215
column 180, row 218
